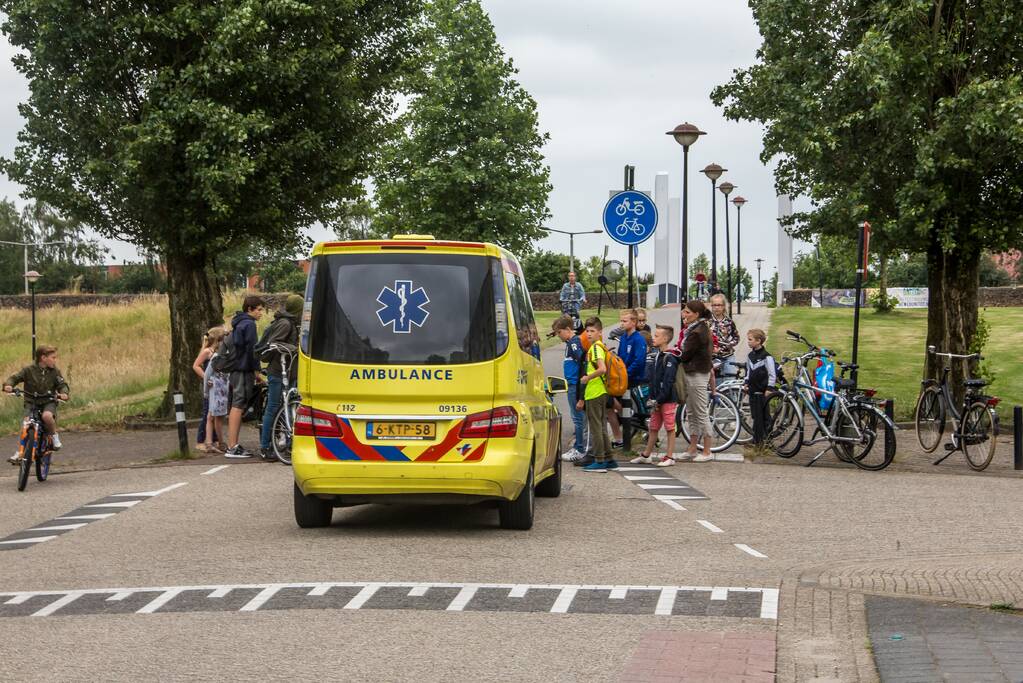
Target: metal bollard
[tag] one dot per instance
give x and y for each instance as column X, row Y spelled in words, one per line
column 889, row 409
column 179, row 416
column 626, row 422
column 1017, row 438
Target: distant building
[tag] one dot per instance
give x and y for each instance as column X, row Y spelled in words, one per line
column 1010, row 262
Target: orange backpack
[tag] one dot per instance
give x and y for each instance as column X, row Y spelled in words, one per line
column 616, row 381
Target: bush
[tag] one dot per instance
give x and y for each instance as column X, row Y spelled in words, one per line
column 883, row 303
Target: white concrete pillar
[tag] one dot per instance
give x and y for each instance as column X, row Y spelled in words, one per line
column 660, row 242
column 675, row 244
column 784, row 248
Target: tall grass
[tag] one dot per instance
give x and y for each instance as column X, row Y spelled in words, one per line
column 115, row 358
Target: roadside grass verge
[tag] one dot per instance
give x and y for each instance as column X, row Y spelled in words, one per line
column 893, row 345
column 544, row 320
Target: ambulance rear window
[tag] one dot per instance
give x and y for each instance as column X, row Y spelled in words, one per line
column 402, row 309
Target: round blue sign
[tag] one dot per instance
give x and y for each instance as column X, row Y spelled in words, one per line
column 630, row 217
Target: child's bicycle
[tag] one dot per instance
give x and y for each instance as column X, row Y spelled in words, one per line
column 284, row 421
column 35, row 446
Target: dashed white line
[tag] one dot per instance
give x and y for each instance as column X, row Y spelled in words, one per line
column 663, row 486
column 36, row 539
column 260, row 599
column 61, row 527
column 666, row 601
column 746, row 549
column 719, row 594
column 709, row 527
column 618, row 593
column 463, row 598
column 99, row 516
column 220, row 592
column 214, row 470
column 518, row 592
column 118, row 504
column 319, row 590
column 150, row 494
column 18, row 599
column 769, row 603
column 360, row 598
column 632, row 477
column 117, row 597
column 564, row 600
column 672, row 504
column 57, row 604
column 160, row 600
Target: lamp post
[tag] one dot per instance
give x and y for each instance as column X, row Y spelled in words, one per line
column 571, row 242
column 31, row 277
column 726, row 189
column 738, row 201
column 760, row 291
column 713, row 171
column 685, row 134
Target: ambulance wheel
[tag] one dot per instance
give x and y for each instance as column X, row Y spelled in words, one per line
column 551, row 486
column 312, row 512
column 518, row 513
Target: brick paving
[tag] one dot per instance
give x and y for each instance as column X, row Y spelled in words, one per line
column 697, row 656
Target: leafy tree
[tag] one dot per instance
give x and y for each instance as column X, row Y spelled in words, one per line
column 468, row 164
column 192, row 129
column 902, row 112
column 837, row 265
column 137, row 278
column 546, row 271
column 59, row 264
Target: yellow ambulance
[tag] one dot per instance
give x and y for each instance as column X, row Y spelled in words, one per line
column 421, row 382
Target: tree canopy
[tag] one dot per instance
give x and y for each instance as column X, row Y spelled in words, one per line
column 468, row 162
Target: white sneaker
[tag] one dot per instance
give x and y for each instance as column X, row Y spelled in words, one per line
column 570, row 455
column 703, row 457
column 57, row 445
column 666, row 462
column 14, row 459
column 642, row 460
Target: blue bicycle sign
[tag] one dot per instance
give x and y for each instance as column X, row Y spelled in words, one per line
column 630, row 217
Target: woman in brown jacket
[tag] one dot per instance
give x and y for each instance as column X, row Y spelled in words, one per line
column 696, row 357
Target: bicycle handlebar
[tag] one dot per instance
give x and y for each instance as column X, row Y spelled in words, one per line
column 972, row 356
column 21, row 392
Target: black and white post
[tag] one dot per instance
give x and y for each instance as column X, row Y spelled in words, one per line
column 179, row 416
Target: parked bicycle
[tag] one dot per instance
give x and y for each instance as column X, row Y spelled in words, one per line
column 735, row 389
column 974, row 424
column 851, row 425
column 284, row 421
column 724, row 421
column 35, row 447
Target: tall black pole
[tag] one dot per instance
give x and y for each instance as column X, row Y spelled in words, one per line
column 728, row 257
column 738, row 252
column 33, row 288
column 683, row 295
column 714, row 235
column 856, row 309
column 820, row 277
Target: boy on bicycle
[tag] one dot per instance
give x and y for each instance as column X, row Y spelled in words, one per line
column 44, row 380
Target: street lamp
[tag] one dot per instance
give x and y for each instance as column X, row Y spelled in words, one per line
column 738, row 201
column 685, row 134
column 571, row 242
column 31, row 277
column 713, row 171
column 726, row 189
column 760, row 292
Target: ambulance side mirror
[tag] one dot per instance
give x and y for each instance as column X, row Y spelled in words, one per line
column 557, row 385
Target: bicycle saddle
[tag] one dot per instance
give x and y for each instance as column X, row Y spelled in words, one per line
column 848, row 366
column 842, row 383
column 975, row 383
column 741, row 366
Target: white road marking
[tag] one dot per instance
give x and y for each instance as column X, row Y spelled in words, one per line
column 719, row 594
column 214, row 470
column 709, row 527
column 769, row 603
column 160, row 600
column 618, row 592
column 220, row 592
column 746, row 549
column 663, row 486
column 564, row 601
column 150, row 494
column 418, row 591
column 463, row 598
column 637, row 478
column 117, row 597
column 651, row 468
column 673, row 504
column 260, row 599
column 666, row 601
column 362, row 596
column 57, row 604
column 62, row 527
column 518, row 591
column 99, row 516
column 18, row 599
column 729, row 457
column 36, row 539
column 118, row 504
column 319, row 590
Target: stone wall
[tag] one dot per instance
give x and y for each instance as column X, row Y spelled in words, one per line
column 546, row 301
column 989, row 297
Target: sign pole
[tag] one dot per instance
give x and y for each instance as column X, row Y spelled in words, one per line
column 630, row 184
column 862, row 247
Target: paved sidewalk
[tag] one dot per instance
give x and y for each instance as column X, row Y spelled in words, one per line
column 694, row 656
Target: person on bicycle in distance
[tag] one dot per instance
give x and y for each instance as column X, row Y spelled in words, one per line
column 726, row 336
column 41, row 378
column 283, row 329
column 572, row 293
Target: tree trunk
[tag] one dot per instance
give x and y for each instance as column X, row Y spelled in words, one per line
column 193, row 295
column 882, row 278
column 953, row 278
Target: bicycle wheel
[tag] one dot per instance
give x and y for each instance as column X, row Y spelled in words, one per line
column 43, row 466
column 784, row 425
column 724, row 422
column 980, row 435
column 26, row 458
column 876, row 446
column 930, row 418
column 280, row 434
column 741, row 401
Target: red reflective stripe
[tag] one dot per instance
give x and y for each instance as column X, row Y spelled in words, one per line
column 360, row 449
column 438, row 451
column 324, row 452
column 477, row 454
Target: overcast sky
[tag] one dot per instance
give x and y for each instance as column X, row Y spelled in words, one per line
column 609, row 78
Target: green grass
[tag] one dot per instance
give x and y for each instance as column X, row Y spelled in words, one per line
column 544, row 319
column 1003, row 607
column 893, row 345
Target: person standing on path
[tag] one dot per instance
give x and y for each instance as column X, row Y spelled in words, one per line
column 695, row 357
column 202, row 361
column 595, row 398
column 661, row 377
column 761, row 377
column 283, row 330
column 243, row 375
column 726, row 336
column 575, row 357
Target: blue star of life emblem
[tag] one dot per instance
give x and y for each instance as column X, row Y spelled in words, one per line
column 402, row 307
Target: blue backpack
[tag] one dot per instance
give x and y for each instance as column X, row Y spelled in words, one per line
column 824, row 377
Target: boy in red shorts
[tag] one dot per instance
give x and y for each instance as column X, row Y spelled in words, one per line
column 662, row 391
